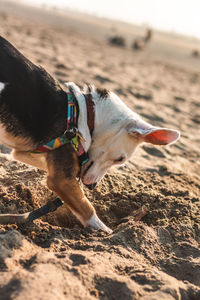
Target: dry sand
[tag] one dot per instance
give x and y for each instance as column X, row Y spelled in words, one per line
column 155, row 258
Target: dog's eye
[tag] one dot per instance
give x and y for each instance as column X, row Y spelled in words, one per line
column 120, row 159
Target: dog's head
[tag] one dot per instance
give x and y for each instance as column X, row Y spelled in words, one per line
column 117, row 133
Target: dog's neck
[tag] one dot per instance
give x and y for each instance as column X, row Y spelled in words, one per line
column 104, row 110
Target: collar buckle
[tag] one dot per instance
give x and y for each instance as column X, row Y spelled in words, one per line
column 74, row 132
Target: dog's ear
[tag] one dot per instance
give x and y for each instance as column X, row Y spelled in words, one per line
column 153, row 135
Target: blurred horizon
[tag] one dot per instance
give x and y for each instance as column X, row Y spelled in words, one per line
column 175, row 16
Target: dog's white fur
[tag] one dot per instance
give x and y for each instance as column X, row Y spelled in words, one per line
column 117, row 133
column 2, row 86
column 96, row 223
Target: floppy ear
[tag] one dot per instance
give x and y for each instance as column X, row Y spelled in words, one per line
column 154, row 135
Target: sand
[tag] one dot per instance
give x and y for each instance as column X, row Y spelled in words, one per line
column 157, row 257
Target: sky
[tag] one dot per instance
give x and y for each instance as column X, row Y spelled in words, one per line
column 180, row 16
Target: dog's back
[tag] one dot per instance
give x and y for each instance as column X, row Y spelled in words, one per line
column 31, row 103
column 13, row 63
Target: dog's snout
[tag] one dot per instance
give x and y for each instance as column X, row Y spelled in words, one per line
column 91, row 186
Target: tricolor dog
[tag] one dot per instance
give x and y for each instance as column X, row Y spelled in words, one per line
column 68, row 134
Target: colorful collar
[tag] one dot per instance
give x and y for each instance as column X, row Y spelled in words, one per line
column 72, row 131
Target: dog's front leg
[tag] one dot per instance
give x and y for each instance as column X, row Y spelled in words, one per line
column 62, row 180
column 70, row 192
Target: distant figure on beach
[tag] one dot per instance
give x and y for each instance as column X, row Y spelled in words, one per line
column 148, row 35
column 195, row 53
column 117, row 40
column 140, row 43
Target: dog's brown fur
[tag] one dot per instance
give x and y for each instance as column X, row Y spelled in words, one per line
column 62, row 179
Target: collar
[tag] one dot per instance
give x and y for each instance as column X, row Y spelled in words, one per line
column 72, row 134
column 90, row 112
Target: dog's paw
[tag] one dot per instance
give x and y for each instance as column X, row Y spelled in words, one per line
column 96, row 223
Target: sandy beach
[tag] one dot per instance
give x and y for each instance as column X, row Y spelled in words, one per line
column 155, row 258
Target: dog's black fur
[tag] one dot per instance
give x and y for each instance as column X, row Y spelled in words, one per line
column 32, row 104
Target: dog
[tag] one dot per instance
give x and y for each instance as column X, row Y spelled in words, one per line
column 34, row 113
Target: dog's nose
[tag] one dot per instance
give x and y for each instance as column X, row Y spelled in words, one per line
column 91, row 186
